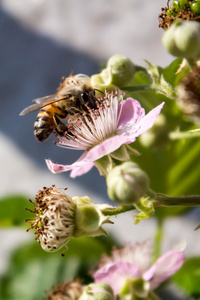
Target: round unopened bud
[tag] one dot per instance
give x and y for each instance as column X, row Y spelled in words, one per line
column 97, row 291
column 182, row 39
column 127, row 183
column 122, row 70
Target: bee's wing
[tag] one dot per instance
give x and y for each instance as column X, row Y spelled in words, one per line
column 46, row 98
column 41, row 102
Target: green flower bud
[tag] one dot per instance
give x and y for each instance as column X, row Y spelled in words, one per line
column 122, row 70
column 127, row 183
column 182, row 39
column 97, row 291
column 89, row 217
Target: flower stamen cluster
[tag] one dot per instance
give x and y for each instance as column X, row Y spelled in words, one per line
column 93, row 126
column 54, row 220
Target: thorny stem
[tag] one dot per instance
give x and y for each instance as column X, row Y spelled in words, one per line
column 117, row 210
column 159, row 200
column 186, row 201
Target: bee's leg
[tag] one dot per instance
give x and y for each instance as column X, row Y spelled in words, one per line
column 90, row 99
column 73, row 111
column 60, row 126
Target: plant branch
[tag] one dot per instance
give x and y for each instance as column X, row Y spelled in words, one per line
column 187, row 201
column 117, row 210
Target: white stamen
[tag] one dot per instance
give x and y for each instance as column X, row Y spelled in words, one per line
column 90, row 130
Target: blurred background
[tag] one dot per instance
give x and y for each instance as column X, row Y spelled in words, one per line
column 41, row 41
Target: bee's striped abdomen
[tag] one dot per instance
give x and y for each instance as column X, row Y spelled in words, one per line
column 44, row 123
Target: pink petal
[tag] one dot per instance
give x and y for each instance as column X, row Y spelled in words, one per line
column 57, row 168
column 164, row 267
column 148, row 120
column 106, row 147
column 130, row 113
column 143, row 124
column 82, row 169
column 116, row 273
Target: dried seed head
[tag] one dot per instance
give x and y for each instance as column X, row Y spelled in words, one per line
column 54, row 220
column 66, row 291
column 189, row 94
column 171, row 14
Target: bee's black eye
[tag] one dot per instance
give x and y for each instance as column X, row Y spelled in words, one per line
column 84, row 97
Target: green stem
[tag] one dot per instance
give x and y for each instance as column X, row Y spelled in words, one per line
column 191, row 62
column 153, row 296
column 184, row 135
column 117, row 210
column 187, row 201
column 151, row 194
column 158, row 239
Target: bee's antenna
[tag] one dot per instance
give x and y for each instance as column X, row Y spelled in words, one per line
column 99, row 91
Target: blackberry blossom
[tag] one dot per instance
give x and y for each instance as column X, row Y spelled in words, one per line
column 114, row 123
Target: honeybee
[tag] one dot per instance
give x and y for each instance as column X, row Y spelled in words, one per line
column 73, row 96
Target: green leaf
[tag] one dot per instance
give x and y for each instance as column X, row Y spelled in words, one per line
column 173, row 166
column 33, row 271
column 170, row 72
column 188, row 277
column 12, row 211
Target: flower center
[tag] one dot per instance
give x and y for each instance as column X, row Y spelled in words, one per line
column 94, row 126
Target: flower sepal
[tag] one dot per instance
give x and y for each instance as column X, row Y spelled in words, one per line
column 104, row 164
column 89, row 218
column 134, row 287
column 121, row 154
column 145, row 208
column 102, row 81
column 97, row 291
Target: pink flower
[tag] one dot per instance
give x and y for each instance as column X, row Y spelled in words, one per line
column 103, row 131
column 132, row 263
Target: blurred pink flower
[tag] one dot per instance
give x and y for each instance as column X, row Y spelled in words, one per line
column 103, row 131
column 133, row 263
